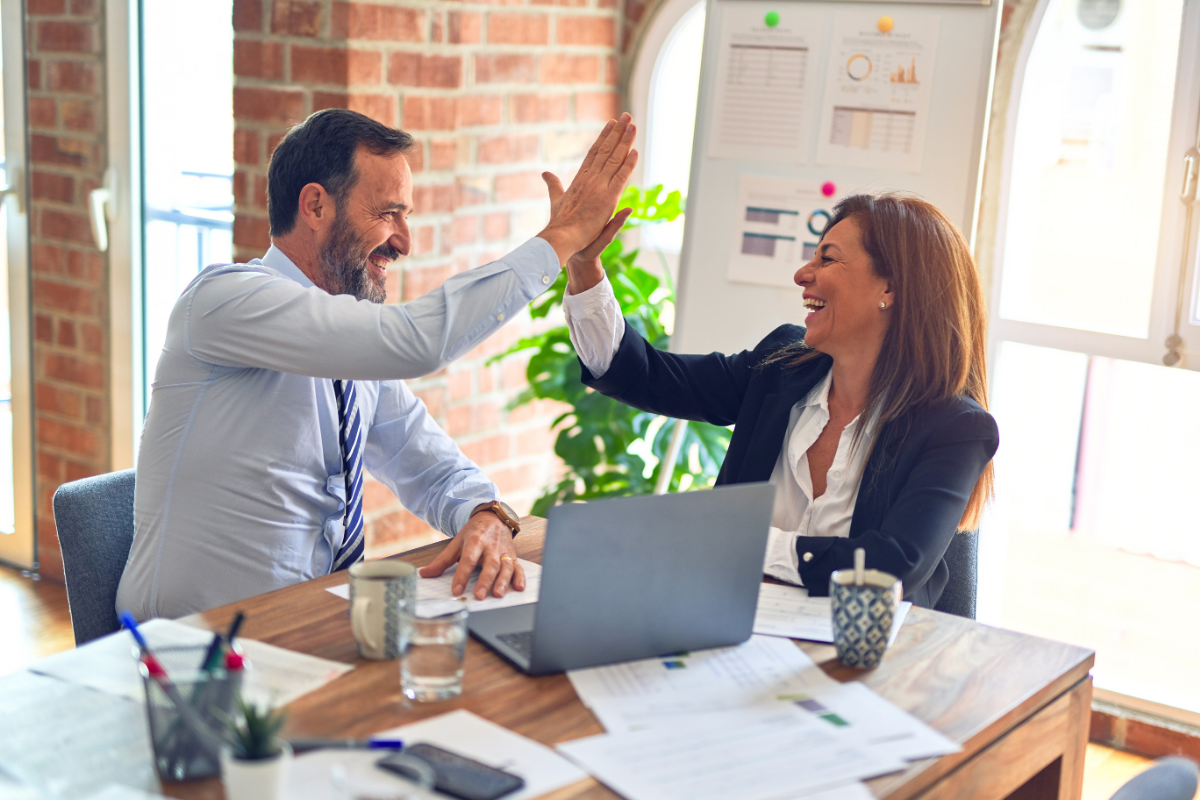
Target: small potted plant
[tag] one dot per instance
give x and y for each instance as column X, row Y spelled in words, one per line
column 255, row 764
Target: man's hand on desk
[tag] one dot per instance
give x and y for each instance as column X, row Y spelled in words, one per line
column 483, row 542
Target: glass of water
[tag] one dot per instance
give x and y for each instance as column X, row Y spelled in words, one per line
column 431, row 656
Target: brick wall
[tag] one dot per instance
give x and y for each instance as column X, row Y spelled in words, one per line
column 494, row 93
column 69, row 290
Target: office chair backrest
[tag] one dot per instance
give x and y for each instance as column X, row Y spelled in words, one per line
column 94, row 517
column 1169, row 779
column 962, row 557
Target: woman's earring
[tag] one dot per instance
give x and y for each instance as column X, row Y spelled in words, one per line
column 883, row 305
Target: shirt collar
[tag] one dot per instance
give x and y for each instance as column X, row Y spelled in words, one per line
column 277, row 260
column 819, row 396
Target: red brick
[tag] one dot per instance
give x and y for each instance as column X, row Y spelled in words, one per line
column 65, row 436
column 376, row 22
column 438, row 28
column 48, row 186
column 414, row 69
column 280, row 106
column 433, row 199
column 434, row 399
column 251, row 232
column 496, row 226
column 420, row 282
column 465, row 27
column 516, row 479
column 612, row 72
column 65, row 226
column 43, row 112
column 336, row 65
column 59, row 36
column 43, row 328
column 520, row 186
column 66, row 333
column 535, row 441
column 507, row 149
column 538, row 107
column 49, row 466
column 513, row 373
column 473, row 190
column 272, row 142
column 248, row 16
column 596, row 106
column 53, row 400
column 423, row 240
column 430, row 113
column 461, row 384
column 71, row 76
column 480, row 109
column 505, row 68
column 376, row 496
column 257, row 59
column 570, row 69
column 79, row 115
column 33, row 73
column 564, row 3
column 93, row 338
column 245, row 146
column 489, row 450
column 415, row 156
column 296, row 17
column 591, row 31
column 51, row 294
column 85, row 265
column 518, row 28
column 473, row 417
column 69, row 369
column 84, row 8
column 96, row 413
column 45, row 7
column 47, row 258
column 466, row 230
column 443, row 154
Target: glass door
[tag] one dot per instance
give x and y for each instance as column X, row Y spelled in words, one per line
column 1092, row 538
column 17, row 540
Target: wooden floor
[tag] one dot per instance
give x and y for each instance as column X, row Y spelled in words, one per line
column 35, row 622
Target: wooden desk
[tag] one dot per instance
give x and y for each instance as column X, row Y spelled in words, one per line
column 1018, row 705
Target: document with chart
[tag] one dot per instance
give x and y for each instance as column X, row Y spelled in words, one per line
column 779, row 225
column 764, row 82
column 877, row 90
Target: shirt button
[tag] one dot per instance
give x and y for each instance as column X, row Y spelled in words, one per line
column 500, row 317
column 807, row 557
column 837, row 474
column 545, row 279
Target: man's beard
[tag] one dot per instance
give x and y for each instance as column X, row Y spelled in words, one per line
column 347, row 267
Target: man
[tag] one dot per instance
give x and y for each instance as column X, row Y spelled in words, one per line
column 281, row 380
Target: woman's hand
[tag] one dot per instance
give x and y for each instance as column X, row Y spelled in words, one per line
column 584, row 269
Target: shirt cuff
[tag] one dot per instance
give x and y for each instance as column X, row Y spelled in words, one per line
column 463, row 512
column 536, row 265
column 780, row 561
column 583, row 305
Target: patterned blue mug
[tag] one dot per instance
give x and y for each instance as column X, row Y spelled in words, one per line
column 862, row 615
column 381, row 593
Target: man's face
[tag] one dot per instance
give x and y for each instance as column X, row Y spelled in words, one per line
column 370, row 229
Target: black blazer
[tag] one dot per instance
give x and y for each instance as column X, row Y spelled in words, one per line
column 916, row 482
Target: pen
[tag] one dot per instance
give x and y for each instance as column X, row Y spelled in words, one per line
column 209, row 662
column 234, row 627
column 304, row 745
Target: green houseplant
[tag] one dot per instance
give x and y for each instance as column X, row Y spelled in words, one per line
column 610, row 449
column 255, row 765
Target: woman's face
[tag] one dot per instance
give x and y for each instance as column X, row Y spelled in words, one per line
column 843, row 295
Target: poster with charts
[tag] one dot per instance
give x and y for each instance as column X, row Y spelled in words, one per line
column 779, row 225
column 765, row 82
column 877, row 90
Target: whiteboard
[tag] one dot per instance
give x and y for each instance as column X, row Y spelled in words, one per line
column 717, row 313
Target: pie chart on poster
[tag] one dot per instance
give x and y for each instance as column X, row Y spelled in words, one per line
column 858, row 67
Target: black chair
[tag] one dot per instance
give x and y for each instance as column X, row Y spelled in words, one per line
column 1169, row 779
column 94, row 517
column 962, row 557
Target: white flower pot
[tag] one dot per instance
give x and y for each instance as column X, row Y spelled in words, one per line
column 263, row 779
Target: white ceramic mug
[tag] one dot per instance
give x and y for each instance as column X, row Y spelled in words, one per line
column 380, row 593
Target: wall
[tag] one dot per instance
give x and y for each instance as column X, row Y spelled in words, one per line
column 494, row 93
column 64, row 43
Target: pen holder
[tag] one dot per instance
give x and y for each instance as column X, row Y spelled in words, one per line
column 188, row 713
column 862, row 615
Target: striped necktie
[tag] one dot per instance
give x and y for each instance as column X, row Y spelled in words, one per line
column 350, row 435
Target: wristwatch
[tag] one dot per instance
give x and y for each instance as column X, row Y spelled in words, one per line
column 504, row 512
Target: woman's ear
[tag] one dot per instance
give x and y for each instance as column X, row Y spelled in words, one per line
column 316, row 206
column 888, row 298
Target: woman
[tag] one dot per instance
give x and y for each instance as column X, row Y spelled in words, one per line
column 871, row 420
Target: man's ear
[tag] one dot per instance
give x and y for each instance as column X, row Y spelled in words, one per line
column 316, row 206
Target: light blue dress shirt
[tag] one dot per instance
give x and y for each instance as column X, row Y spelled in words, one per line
column 240, row 487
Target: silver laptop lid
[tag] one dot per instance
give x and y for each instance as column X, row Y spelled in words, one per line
column 637, row 577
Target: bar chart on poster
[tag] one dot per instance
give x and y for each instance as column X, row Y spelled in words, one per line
column 802, row 104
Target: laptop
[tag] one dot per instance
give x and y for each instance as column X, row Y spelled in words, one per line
column 638, row 577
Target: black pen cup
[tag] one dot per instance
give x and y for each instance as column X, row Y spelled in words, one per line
column 189, row 713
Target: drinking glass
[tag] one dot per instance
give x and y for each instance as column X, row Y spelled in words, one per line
column 431, row 656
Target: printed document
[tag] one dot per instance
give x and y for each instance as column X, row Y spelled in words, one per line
column 434, row 597
column 789, row 611
column 764, row 82
column 878, row 86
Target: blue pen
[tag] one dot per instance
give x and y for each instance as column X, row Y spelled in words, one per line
column 131, row 625
column 304, row 745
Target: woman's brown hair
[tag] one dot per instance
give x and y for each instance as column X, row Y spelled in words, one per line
column 936, row 346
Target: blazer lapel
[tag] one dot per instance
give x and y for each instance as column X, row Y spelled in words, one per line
column 767, row 440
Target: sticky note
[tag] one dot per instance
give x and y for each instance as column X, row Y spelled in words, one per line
column 772, row 19
column 885, row 24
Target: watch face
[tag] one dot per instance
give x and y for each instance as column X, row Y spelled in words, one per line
column 514, row 516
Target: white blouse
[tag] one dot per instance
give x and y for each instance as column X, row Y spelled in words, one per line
column 596, row 325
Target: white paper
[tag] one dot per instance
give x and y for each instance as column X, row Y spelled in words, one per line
column 109, row 664
column 764, row 82
column 875, row 108
column 434, row 597
column 774, row 757
column 789, row 611
column 458, row 731
column 779, row 225
column 119, row 792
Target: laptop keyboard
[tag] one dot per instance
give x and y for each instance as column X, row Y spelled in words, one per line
column 520, row 641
